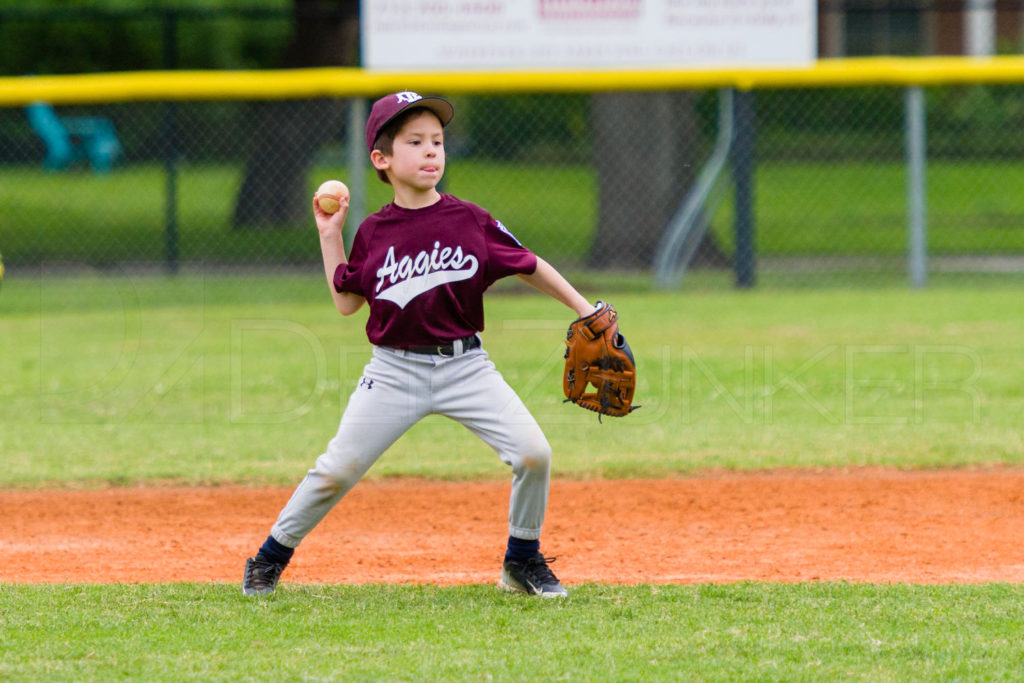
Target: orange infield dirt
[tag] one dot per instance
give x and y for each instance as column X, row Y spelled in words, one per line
column 871, row 525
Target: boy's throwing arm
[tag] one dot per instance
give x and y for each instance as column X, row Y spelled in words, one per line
column 332, row 245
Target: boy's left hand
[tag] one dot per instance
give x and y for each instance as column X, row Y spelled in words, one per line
column 600, row 372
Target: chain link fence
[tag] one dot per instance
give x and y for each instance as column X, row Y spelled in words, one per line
column 589, row 181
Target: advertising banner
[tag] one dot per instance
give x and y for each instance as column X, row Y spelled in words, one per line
column 559, row 34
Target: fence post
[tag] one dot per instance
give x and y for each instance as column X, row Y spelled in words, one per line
column 356, row 165
column 743, row 174
column 917, row 248
column 170, row 134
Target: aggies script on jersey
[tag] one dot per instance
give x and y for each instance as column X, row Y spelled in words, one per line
column 424, row 271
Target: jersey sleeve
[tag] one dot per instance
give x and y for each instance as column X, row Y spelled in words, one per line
column 348, row 276
column 505, row 254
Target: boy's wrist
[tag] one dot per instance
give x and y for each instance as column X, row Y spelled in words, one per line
column 585, row 308
column 330, row 232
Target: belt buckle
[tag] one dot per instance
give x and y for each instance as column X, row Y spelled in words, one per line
column 440, row 352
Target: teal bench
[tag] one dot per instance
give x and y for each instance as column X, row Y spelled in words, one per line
column 72, row 138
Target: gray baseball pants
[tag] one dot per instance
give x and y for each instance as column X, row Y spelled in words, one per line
column 399, row 388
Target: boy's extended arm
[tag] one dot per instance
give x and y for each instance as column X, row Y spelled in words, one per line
column 549, row 281
column 333, row 247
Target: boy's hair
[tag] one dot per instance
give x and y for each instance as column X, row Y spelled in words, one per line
column 386, row 139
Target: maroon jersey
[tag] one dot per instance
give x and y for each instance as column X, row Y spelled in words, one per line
column 424, row 271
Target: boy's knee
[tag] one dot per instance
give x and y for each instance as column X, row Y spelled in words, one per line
column 338, row 476
column 536, row 455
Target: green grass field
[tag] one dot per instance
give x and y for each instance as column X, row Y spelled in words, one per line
column 204, row 379
column 244, row 380
column 736, row 632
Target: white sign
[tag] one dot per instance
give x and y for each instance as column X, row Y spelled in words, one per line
column 488, row 34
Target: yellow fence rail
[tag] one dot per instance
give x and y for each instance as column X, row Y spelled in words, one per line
column 347, row 82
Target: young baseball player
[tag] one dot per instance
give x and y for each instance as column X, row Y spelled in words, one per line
column 422, row 264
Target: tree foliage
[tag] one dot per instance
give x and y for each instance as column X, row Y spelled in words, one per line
column 79, row 36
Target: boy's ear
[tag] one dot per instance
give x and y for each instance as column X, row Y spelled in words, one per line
column 379, row 161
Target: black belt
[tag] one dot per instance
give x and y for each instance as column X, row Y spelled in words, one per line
column 448, row 349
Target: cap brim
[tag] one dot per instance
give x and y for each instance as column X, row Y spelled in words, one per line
column 440, row 106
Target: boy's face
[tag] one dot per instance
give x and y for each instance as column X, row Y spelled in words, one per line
column 417, row 158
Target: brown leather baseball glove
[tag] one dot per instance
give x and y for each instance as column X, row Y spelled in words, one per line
column 597, row 355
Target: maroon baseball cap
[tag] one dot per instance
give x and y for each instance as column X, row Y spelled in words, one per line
column 388, row 107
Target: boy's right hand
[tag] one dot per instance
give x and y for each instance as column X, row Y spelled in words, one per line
column 330, row 223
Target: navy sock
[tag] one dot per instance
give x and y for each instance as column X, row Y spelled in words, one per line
column 520, row 549
column 275, row 552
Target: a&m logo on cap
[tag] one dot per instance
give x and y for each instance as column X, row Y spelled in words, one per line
column 408, row 96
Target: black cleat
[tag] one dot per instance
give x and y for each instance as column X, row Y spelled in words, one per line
column 261, row 576
column 532, row 577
